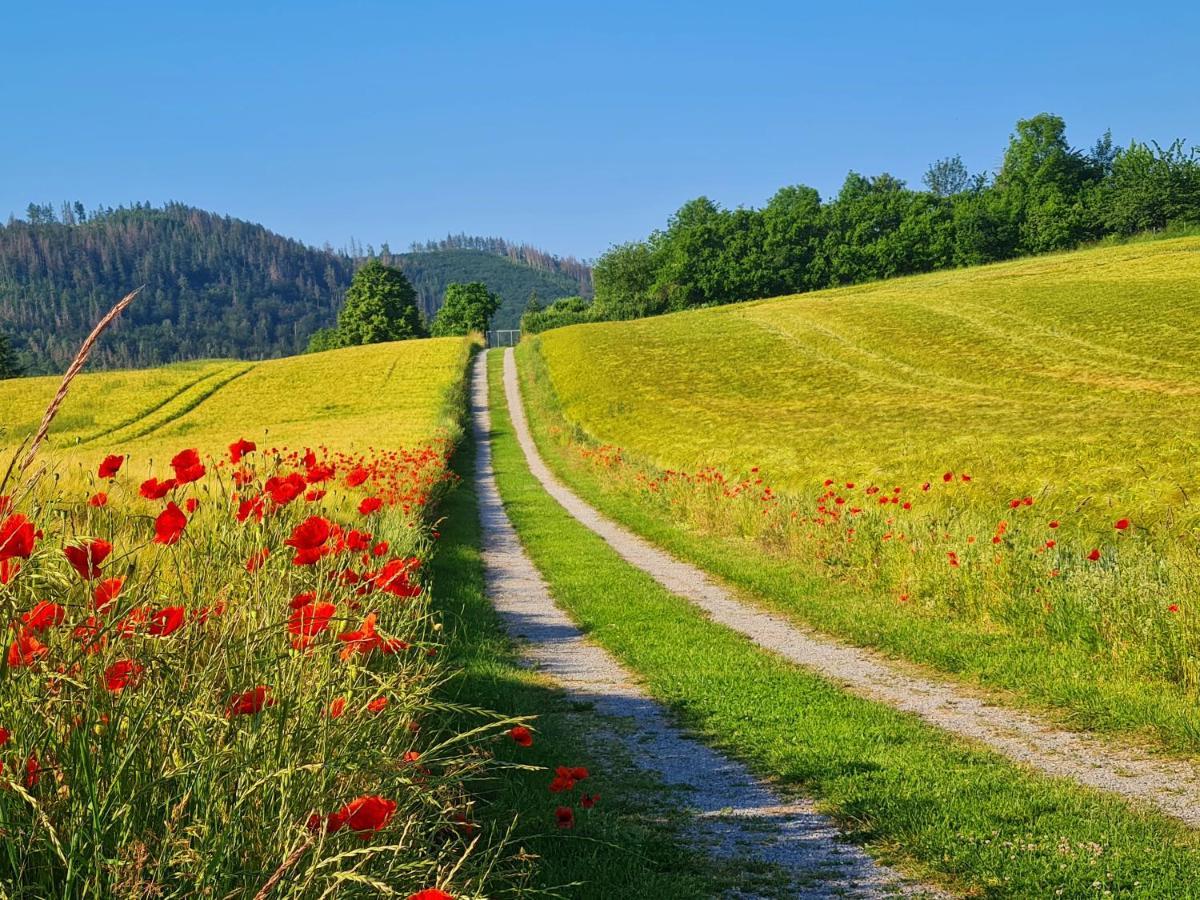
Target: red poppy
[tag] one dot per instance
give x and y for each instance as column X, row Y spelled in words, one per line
column 1054, row 523
column 361, row 815
column 363, row 640
column 187, row 466
column 250, row 702
column 25, row 650
column 393, row 578
column 949, row 476
column 153, row 489
column 308, row 538
column 337, row 707
column 167, row 621
column 318, row 473
column 106, row 592
column 240, row 448
column 87, row 557
column 1121, row 524
column 378, row 705
column 248, row 508
column 191, row 504
column 98, row 499
column 1094, row 555
column 284, row 490
column 587, row 801
column 564, row 816
column 122, row 674
column 17, row 535
column 32, row 772
column 430, row 894
column 4, row 736
column 521, row 735
column 369, row 505
column 43, row 615
column 255, row 562
column 169, row 525
column 309, row 620
column 1174, row 607
column 8, row 570
column 110, row 466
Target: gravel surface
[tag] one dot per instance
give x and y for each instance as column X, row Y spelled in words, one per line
column 1172, row 786
column 735, row 816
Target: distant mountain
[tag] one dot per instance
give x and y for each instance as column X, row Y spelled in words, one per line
column 217, row 286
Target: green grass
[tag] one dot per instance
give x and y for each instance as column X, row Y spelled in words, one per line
column 1066, row 379
column 912, row 794
column 626, row 839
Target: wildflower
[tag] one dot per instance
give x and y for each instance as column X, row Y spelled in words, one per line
column 521, row 735
column 1173, row 608
column 98, row 499
column 249, row 702
column 169, row 525
column 187, row 466
column 17, row 536
column 308, row 538
column 337, row 707
column 948, row 477
column 1121, row 524
column 4, row 736
column 378, row 705
column 1094, row 555
column 153, row 489
column 587, row 801
column 86, row 558
column 369, row 505
column 43, row 616
column 110, row 466
column 361, row 815
column 240, row 448
column 564, row 817
column 356, row 477
column 166, row 621
column 106, row 592
column 254, row 563
column 430, row 894
column 122, row 674
column 309, row 620
column 1054, row 523
column 25, row 650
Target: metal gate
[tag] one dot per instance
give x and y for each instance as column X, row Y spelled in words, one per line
column 504, row 338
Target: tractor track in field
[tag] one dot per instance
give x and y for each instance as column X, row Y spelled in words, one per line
column 1171, row 786
column 735, row 816
column 212, row 385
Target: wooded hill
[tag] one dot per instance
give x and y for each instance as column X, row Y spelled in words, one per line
column 216, row 286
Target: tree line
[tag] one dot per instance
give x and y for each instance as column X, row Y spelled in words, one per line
column 1046, row 196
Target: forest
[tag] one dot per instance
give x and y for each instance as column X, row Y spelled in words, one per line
column 1046, row 196
column 215, row 286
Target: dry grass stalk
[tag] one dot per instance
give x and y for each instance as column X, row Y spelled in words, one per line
column 85, row 350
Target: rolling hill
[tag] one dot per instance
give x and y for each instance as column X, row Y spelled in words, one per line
column 215, row 286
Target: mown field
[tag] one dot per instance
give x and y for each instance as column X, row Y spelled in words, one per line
column 990, row 470
column 222, row 676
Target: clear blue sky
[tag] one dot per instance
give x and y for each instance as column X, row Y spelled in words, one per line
column 568, row 125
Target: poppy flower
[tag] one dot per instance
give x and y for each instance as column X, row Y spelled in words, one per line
column 249, row 702
column 1094, row 555
column 318, row 473
column 191, row 504
column 17, row 536
column 153, row 489
column 122, row 674
column 87, row 557
column 587, row 801
column 369, row 505
column 1054, row 523
column 169, row 525
column 32, row 772
column 308, row 538
column 309, row 620
column 378, row 705
column 255, row 562
column 8, row 570
column 1173, row 608
column 337, row 707
column 248, row 508
column 167, row 621
column 44, row 615
column 106, row 592
column 393, row 578
column 284, row 490
column 948, row 477
column 187, row 466
column 430, row 894
column 25, row 650
column 521, row 735
column 98, row 499
column 1121, row 524
column 363, row 640
column 361, row 815
column 564, row 817
column 4, row 736
column 240, row 448
column 110, row 466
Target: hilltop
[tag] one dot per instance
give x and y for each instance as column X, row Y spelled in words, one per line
column 216, row 286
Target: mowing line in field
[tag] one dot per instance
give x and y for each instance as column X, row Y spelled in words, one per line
column 736, row 815
column 1173, row 786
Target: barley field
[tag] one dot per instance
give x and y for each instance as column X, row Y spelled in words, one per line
column 998, row 464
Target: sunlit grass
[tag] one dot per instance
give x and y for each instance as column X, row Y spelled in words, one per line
column 1065, row 385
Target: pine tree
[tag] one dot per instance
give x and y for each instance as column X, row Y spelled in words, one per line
column 380, row 305
column 9, row 365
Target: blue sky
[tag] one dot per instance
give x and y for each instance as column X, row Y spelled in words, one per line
column 568, row 125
